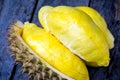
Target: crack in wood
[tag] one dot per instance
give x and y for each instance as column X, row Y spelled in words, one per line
column 30, row 20
column 33, row 12
column 30, row 8
column 13, row 72
column 89, row 3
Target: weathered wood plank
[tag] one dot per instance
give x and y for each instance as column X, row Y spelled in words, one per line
column 17, row 74
column 57, row 3
column 107, row 10
column 9, row 12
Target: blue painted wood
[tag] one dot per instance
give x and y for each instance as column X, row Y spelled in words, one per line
column 107, row 9
column 25, row 10
column 42, row 3
column 11, row 10
column 18, row 75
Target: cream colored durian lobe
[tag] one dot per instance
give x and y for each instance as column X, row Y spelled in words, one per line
column 81, row 33
column 99, row 20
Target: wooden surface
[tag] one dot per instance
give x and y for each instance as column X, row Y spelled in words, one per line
column 26, row 10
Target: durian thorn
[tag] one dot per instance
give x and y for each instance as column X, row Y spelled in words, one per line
column 30, row 72
column 16, row 62
column 37, row 77
column 50, row 73
column 30, row 76
column 24, row 65
column 28, row 64
column 23, row 70
column 13, row 54
column 43, row 75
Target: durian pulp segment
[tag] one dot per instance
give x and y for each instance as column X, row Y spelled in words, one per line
column 77, row 31
column 30, row 61
column 43, row 17
column 54, row 53
column 100, row 22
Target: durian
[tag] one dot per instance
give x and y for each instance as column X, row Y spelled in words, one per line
column 100, row 22
column 82, row 30
column 42, row 55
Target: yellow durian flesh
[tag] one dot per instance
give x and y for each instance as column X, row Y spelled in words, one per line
column 78, row 32
column 54, row 53
column 100, row 22
column 43, row 17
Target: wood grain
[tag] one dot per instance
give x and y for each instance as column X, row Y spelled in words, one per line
column 9, row 12
column 42, row 3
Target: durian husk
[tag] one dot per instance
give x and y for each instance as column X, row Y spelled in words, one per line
column 23, row 54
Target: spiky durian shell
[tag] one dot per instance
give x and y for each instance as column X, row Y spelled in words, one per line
column 23, row 54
